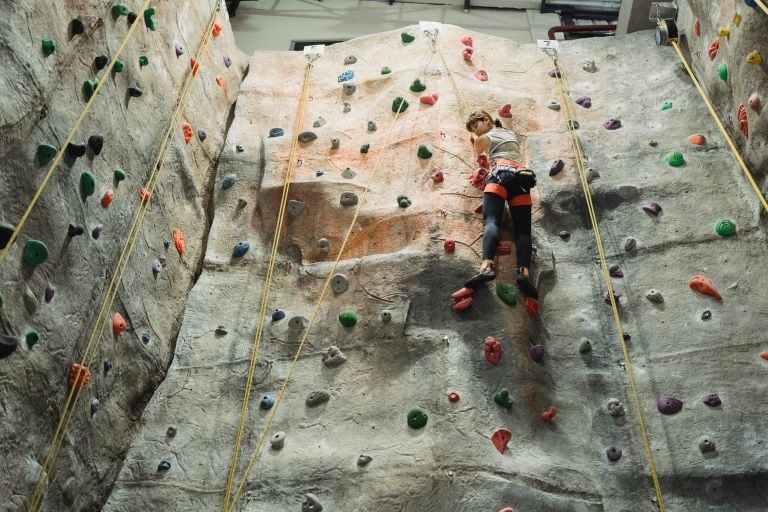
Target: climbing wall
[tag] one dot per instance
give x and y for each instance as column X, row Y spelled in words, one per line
column 86, row 105
column 398, row 398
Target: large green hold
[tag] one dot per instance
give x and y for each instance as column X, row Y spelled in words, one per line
column 725, row 227
column 675, row 159
column 87, row 184
column 89, row 87
column 417, row 86
column 32, row 339
column 49, row 46
column 148, row 20
column 119, row 66
column 120, row 10
column 417, row 417
column 347, row 318
column 666, row 105
column 399, row 105
column 364, row 148
column 119, row 175
column 722, row 71
column 502, row 398
column 45, row 153
column 403, row 201
column 35, row 252
column 423, row 152
column 406, row 37
column 506, row 293
column 385, row 70
column 143, row 61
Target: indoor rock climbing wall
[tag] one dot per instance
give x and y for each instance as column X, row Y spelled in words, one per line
column 350, row 429
column 53, row 280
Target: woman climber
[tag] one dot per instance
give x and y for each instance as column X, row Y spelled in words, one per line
column 502, row 178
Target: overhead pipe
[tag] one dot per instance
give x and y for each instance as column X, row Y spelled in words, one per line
column 579, row 28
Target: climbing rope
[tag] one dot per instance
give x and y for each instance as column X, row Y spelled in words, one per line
column 316, row 310
column 69, row 138
column 576, row 146
column 762, row 6
column 94, row 339
column 720, row 125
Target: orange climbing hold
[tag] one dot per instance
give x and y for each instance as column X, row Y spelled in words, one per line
column 462, row 304
column 118, row 323
column 548, row 414
column 697, row 139
column 743, row 123
column 106, row 199
column 713, row 48
column 216, row 30
column 500, row 439
column 429, row 99
column 467, row 54
column 703, row 285
column 178, row 241
column 462, row 294
column 78, row 375
column 195, row 66
column 144, row 194
column 187, row 132
column 764, row 355
column 466, row 40
column 220, row 81
column 697, row 28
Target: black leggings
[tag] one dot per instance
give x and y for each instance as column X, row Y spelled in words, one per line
column 493, row 208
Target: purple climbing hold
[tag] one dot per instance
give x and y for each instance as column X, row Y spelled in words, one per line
column 201, row 134
column 179, row 50
column 537, row 353
column 713, row 400
column 615, row 271
column 49, row 292
column 565, row 235
column 96, row 232
column 584, row 101
column 157, row 267
column 556, row 166
column 612, row 124
column 554, row 73
column 227, row 61
column 668, row 404
column 652, row 208
column 613, row 453
column 616, row 297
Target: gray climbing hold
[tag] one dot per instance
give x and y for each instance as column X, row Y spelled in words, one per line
column 50, row 291
column 171, row 432
column 221, row 331
column 305, row 137
column 164, row 465
column 347, row 107
column 323, row 245
column 276, row 132
column 615, row 408
column 706, row 315
column 335, row 143
column 241, row 203
column 318, row 122
column 334, row 357
column 349, row 88
column 229, row 180
column 295, row 207
column 339, row 283
column 266, row 403
column 146, row 337
column 386, row 316
column 298, row 322
column 589, row 66
column 350, row 59
column 348, row 199
column 363, row 460
column 311, row 504
column 8, row 345
column 630, row 244
column 6, row 232
column 706, row 444
column 278, row 315
column 573, row 124
column 613, row 453
column 654, row 296
column 227, row 61
column 95, row 406
column 348, row 173
column 157, row 267
column 316, row 398
column 553, row 105
column 653, row 143
column 371, row 126
column 96, row 232
column 277, row 440
column 241, row 248
column 30, row 301
column 585, row 346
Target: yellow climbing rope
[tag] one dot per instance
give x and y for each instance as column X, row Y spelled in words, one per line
column 94, row 339
column 762, row 6
column 720, row 125
column 233, row 502
column 567, row 105
column 69, row 138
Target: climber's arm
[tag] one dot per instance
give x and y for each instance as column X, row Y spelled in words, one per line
column 482, row 145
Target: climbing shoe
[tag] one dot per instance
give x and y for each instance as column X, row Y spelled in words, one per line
column 483, row 276
column 527, row 287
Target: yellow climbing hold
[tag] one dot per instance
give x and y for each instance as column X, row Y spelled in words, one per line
column 737, row 19
column 724, row 32
column 755, row 58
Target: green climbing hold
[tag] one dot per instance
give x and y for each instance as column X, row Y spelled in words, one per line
column 417, row 86
column 399, row 105
column 506, row 293
column 675, row 159
column 406, row 37
column 417, row 417
column 45, row 153
column 347, row 318
column 725, row 227
column 502, row 398
column 119, row 66
column 666, row 105
column 35, row 252
column 148, row 13
column 143, row 61
column 49, row 46
column 87, row 184
column 423, row 152
column 120, row 10
column 89, row 86
column 119, row 175
column 722, row 71
column 385, row 70
column 32, row 338
column 364, row 148
column 403, row 201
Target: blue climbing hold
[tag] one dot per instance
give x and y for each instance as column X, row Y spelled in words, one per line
column 241, row 248
column 278, row 315
column 229, row 180
column 166, row 244
column 750, row 3
column 164, row 465
column 276, row 132
column 107, row 366
column 266, row 402
column 347, row 75
column 145, row 337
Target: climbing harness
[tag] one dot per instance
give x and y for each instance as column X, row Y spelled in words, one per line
column 95, row 336
column 551, row 50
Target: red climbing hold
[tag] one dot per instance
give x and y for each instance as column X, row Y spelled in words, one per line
column 178, row 241
column 144, row 194
column 764, row 355
column 462, row 304
column 220, row 81
column 466, row 40
column 481, row 75
column 507, row 509
column 429, row 99
column 462, row 294
column 504, row 248
column 216, row 30
column 492, row 349
column 532, row 307
column 187, row 132
column 453, row 396
column 106, row 199
column 743, row 123
column 438, row 177
column 78, row 375
column 548, row 414
column 449, row 245
column 505, row 111
column 467, row 53
column 713, row 48
column 697, row 28
column 195, row 66
column 703, row 285
column 118, row 324
column 500, row 439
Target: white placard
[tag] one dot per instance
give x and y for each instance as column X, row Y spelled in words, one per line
column 546, row 43
column 315, row 49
